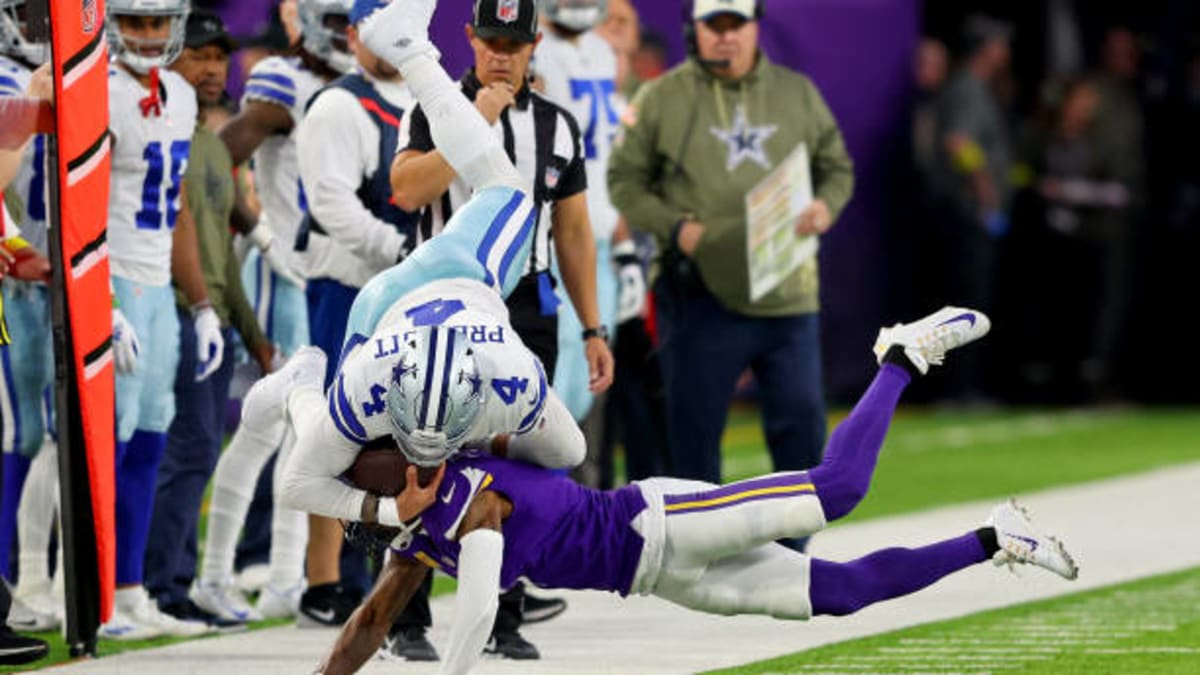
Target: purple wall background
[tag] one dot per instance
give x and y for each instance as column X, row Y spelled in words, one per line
column 859, row 53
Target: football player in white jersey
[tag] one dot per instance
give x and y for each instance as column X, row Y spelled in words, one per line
column 277, row 93
column 430, row 358
column 151, row 241
column 28, row 364
column 276, row 97
column 579, row 71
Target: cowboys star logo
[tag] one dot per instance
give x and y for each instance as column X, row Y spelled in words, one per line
column 745, row 141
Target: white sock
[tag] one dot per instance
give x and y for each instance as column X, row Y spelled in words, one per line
column 289, row 529
column 35, row 518
column 233, row 489
column 459, row 131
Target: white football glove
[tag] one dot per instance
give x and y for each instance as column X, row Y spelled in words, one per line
column 124, row 343
column 264, row 239
column 210, row 346
column 631, row 300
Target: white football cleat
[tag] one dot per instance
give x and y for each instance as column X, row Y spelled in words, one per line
column 926, row 341
column 399, row 31
column 136, row 617
column 276, row 603
column 225, row 600
column 29, row 618
column 264, row 404
column 1021, row 544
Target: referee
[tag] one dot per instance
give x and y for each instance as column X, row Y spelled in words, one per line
column 543, row 141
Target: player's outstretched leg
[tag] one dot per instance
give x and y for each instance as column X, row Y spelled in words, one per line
column 903, row 351
column 1008, row 537
column 256, row 439
column 399, row 34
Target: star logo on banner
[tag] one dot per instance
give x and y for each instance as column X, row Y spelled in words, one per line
column 745, row 142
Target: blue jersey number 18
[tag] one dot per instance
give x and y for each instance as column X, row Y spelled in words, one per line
column 150, row 217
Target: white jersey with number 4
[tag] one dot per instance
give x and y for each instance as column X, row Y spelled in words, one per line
column 581, row 77
column 514, row 383
column 284, row 82
column 149, row 158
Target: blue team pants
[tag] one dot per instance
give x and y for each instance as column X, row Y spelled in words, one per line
column 704, row 348
column 193, row 446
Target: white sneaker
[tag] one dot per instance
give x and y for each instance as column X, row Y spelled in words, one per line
column 26, row 618
column 264, row 403
column 136, row 617
column 399, row 31
column 253, row 578
column 926, row 341
column 1021, row 544
column 224, row 600
column 122, row 627
column 276, row 603
column 39, row 599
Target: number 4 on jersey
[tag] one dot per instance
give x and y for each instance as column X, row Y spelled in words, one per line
column 508, row 389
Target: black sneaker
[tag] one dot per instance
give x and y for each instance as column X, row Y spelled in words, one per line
column 186, row 610
column 326, row 606
column 411, row 644
column 510, row 645
column 538, row 609
column 16, row 649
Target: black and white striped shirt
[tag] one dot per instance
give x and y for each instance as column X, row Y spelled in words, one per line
column 543, row 141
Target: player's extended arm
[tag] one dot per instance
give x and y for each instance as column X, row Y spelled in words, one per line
column 370, row 623
column 250, row 127
column 418, row 178
column 576, row 248
column 479, row 561
column 322, row 454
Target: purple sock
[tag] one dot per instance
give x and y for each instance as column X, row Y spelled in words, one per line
column 839, row 589
column 844, row 474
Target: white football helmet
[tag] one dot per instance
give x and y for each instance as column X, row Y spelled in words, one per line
column 14, row 38
column 130, row 50
column 435, row 394
column 576, row 15
column 322, row 41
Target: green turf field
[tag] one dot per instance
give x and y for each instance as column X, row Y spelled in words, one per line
column 934, row 458
column 1147, row 626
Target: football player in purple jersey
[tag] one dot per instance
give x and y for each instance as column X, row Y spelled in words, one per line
column 490, row 521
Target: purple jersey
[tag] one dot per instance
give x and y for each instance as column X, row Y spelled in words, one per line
column 560, row 534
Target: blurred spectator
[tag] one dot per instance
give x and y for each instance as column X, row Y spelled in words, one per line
column 648, row 63
column 620, row 30
column 196, row 433
column 1085, row 192
column 930, row 68
column 694, row 142
column 634, row 410
column 971, row 179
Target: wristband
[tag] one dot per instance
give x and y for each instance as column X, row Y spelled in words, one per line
column 597, row 332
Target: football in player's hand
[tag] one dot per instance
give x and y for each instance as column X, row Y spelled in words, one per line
column 379, row 470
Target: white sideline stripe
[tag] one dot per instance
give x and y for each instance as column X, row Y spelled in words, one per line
column 84, row 170
column 603, row 634
column 84, row 67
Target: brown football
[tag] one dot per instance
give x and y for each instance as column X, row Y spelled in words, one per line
column 379, row 470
